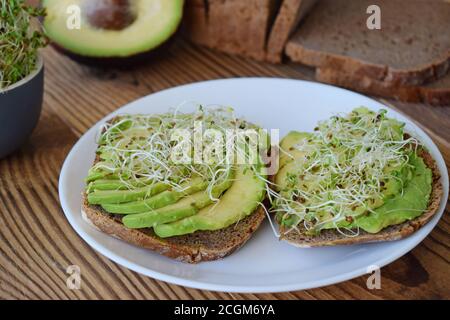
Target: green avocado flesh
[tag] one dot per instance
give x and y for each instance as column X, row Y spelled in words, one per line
column 120, row 196
column 116, row 184
column 288, row 151
column 355, row 171
column 154, row 22
column 402, row 207
column 136, row 176
column 157, row 201
column 186, row 207
column 239, row 201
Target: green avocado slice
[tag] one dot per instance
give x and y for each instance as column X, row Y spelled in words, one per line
column 409, row 205
column 288, row 151
column 116, row 184
column 186, row 207
column 239, row 201
column 120, row 196
column 160, row 200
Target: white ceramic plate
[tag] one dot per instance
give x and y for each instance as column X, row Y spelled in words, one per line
column 264, row 264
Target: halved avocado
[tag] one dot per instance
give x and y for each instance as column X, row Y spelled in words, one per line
column 112, row 31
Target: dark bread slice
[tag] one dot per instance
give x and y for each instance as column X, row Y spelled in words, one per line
column 240, row 27
column 435, row 93
column 289, row 16
column 412, row 47
column 232, row 26
column 396, row 232
column 192, row 248
column 195, row 21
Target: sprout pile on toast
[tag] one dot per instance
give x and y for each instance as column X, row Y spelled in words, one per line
column 162, row 170
column 138, row 149
column 354, row 171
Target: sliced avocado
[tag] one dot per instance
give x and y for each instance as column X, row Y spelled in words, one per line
column 186, row 207
column 239, row 201
column 288, row 151
column 116, row 184
column 404, row 206
column 100, row 170
column 160, row 200
column 282, row 179
column 111, row 28
column 120, row 196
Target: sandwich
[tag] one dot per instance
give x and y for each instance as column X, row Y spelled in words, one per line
column 357, row 178
column 164, row 182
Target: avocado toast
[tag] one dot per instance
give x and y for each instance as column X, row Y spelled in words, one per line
column 140, row 190
column 357, row 178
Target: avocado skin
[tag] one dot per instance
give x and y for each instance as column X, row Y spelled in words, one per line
column 124, row 63
column 129, row 63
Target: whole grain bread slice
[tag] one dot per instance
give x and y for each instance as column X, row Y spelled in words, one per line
column 411, row 48
column 191, row 248
column 332, row 237
column 240, row 27
column 289, row 16
column 436, row 93
column 195, row 23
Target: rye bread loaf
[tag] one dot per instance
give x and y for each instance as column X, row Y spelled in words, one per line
column 411, row 48
column 192, row 248
column 240, row 27
column 288, row 18
column 395, row 232
column 232, row 26
column 195, row 21
column 436, row 93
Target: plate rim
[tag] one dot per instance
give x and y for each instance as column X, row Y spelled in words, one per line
column 198, row 284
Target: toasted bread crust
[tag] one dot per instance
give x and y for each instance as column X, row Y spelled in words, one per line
column 192, row 248
column 289, row 16
column 396, row 232
column 434, row 70
column 195, row 22
column 307, row 45
column 417, row 94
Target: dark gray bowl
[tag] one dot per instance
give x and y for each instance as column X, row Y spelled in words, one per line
column 20, row 108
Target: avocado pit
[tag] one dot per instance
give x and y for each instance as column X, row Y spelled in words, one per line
column 109, row 14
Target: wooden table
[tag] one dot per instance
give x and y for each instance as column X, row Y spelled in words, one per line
column 37, row 243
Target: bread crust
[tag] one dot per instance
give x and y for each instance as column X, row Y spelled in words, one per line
column 195, row 22
column 289, row 16
column 391, row 233
column 424, row 72
column 416, row 94
column 192, row 248
column 232, row 26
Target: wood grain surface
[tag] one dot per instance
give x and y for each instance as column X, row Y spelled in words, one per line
column 37, row 243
